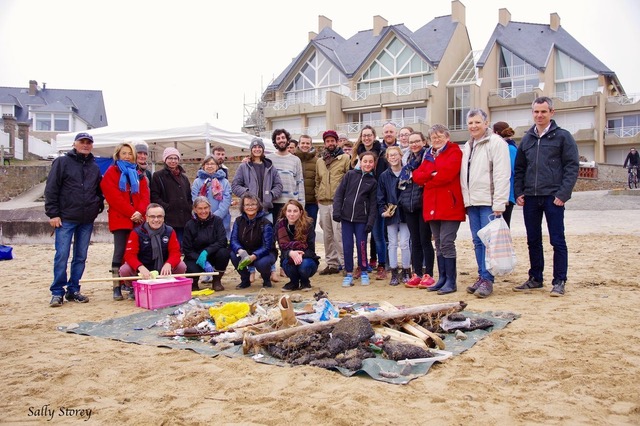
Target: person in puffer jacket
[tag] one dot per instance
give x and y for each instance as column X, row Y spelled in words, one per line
column 355, row 207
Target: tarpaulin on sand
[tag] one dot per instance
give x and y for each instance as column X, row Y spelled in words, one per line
column 141, row 328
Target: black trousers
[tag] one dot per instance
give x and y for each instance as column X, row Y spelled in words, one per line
column 422, row 253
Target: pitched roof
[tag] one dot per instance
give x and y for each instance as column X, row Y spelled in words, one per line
column 535, row 42
column 87, row 104
column 348, row 55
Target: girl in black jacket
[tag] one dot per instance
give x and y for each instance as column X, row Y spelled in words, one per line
column 355, row 207
column 205, row 244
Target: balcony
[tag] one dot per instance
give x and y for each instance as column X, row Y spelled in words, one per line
column 510, row 92
column 418, row 124
column 402, row 94
column 620, row 104
column 512, row 96
column 622, row 135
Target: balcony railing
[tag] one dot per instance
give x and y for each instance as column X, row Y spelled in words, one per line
column 625, row 100
column 356, row 127
column 306, row 99
column 517, row 71
column 623, row 132
column 511, row 92
column 573, row 95
column 400, row 90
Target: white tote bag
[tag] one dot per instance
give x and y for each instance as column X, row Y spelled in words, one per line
column 500, row 257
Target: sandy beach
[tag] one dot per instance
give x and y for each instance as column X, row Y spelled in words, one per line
column 569, row 360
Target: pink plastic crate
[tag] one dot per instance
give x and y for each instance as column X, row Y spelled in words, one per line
column 152, row 295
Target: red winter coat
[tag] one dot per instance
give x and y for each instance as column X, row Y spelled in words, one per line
column 442, row 195
column 123, row 204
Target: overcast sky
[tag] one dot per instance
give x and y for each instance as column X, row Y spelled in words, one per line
column 161, row 63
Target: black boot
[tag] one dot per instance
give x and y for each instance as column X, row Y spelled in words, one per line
column 450, row 284
column 117, row 291
column 442, row 274
column 216, row 281
column 395, row 278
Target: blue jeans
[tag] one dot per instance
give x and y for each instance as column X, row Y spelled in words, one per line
column 478, row 219
column 80, row 233
column 300, row 273
column 349, row 229
column 378, row 236
column 533, row 209
column 312, row 211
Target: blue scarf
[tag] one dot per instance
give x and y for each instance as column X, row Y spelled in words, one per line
column 128, row 174
column 413, row 162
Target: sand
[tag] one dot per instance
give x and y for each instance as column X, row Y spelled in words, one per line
column 570, row 360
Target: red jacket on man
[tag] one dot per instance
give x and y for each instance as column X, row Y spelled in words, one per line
column 442, row 196
column 123, row 204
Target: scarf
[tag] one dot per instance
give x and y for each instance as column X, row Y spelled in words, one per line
column 413, row 162
column 285, row 238
column 128, row 175
column 328, row 157
column 211, row 183
column 156, row 244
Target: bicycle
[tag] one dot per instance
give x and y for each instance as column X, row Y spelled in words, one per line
column 632, row 176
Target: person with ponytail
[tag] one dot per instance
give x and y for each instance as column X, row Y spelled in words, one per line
column 126, row 191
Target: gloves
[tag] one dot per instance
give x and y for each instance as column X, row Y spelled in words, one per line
column 208, row 267
column 368, row 228
column 202, row 259
column 245, row 260
column 336, row 218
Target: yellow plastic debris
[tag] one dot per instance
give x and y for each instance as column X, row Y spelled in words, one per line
column 205, row 292
column 229, row 313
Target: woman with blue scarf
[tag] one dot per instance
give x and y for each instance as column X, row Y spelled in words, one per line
column 213, row 184
column 126, row 191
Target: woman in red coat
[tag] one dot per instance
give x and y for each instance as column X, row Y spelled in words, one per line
column 443, row 206
column 127, row 193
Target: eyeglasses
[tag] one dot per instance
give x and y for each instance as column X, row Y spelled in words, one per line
column 402, row 135
column 436, row 137
column 415, row 142
column 155, row 217
column 250, row 206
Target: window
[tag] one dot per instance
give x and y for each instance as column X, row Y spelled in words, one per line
column 624, row 127
column 397, row 69
column 515, row 75
column 458, row 104
column 43, row 122
column 573, row 79
column 61, row 122
column 315, row 78
column 406, row 116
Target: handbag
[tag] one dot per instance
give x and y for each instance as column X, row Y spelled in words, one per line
column 5, row 252
column 500, row 257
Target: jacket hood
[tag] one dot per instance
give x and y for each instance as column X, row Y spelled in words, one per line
column 377, row 148
column 305, row 156
column 219, row 174
column 267, row 163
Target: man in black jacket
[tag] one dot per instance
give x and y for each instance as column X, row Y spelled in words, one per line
column 73, row 200
column 546, row 171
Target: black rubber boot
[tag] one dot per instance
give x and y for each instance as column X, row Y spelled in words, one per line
column 395, row 277
column 450, row 284
column 117, row 290
column 442, row 275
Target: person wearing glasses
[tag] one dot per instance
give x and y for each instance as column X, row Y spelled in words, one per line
column 73, row 200
column 170, row 187
column 403, row 140
column 152, row 246
column 252, row 241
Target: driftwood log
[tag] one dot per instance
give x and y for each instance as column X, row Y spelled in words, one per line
column 251, row 341
column 415, row 329
column 159, row 277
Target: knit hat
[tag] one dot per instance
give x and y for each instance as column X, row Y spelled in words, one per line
column 169, row 152
column 343, row 136
column 331, row 133
column 141, row 146
column 256, row 142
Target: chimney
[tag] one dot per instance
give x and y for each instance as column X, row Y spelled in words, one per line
column 378, row 24
column 555, row 21
column 323, row 22
column 312, row 35
column 458, row 12
column 33, row 87
column 504, row 17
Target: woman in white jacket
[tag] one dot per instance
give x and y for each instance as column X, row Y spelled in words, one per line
column 485, row 179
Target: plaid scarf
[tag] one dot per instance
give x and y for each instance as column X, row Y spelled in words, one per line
column 285, row 237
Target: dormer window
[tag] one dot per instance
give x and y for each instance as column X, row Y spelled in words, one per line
column 47, row 122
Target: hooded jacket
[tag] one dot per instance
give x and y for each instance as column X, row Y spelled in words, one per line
column 72, row 191
column 329, row 177
column 246, row 180
column 355, row 199
column 485, row 175
column 546, row 165
column 308, row 160
column 219, row 208
column 388, row 192
column 381, row 162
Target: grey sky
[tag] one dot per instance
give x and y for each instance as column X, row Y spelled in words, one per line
column 163, row 62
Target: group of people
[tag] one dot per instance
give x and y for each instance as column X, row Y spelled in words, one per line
column 405, row 193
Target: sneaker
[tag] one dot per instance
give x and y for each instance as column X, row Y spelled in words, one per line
column 364, row 279
column 426, row 281
column 357, row 273
column 381, row 273
column 530, row 284
column 290, row 287
column 243, row 285
column 414, row 282
column 484, row 289
column 305, row 286
column 329, row 270
column 56, row 301
column 558, row 288
column 347, row 281
column 77, row 297
column 473, row 287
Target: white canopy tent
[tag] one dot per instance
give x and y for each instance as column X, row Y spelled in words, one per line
column 193, row 142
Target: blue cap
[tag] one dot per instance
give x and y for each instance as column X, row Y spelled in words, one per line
column 84, row 136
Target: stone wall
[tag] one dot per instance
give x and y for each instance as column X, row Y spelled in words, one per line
column 15, row 180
